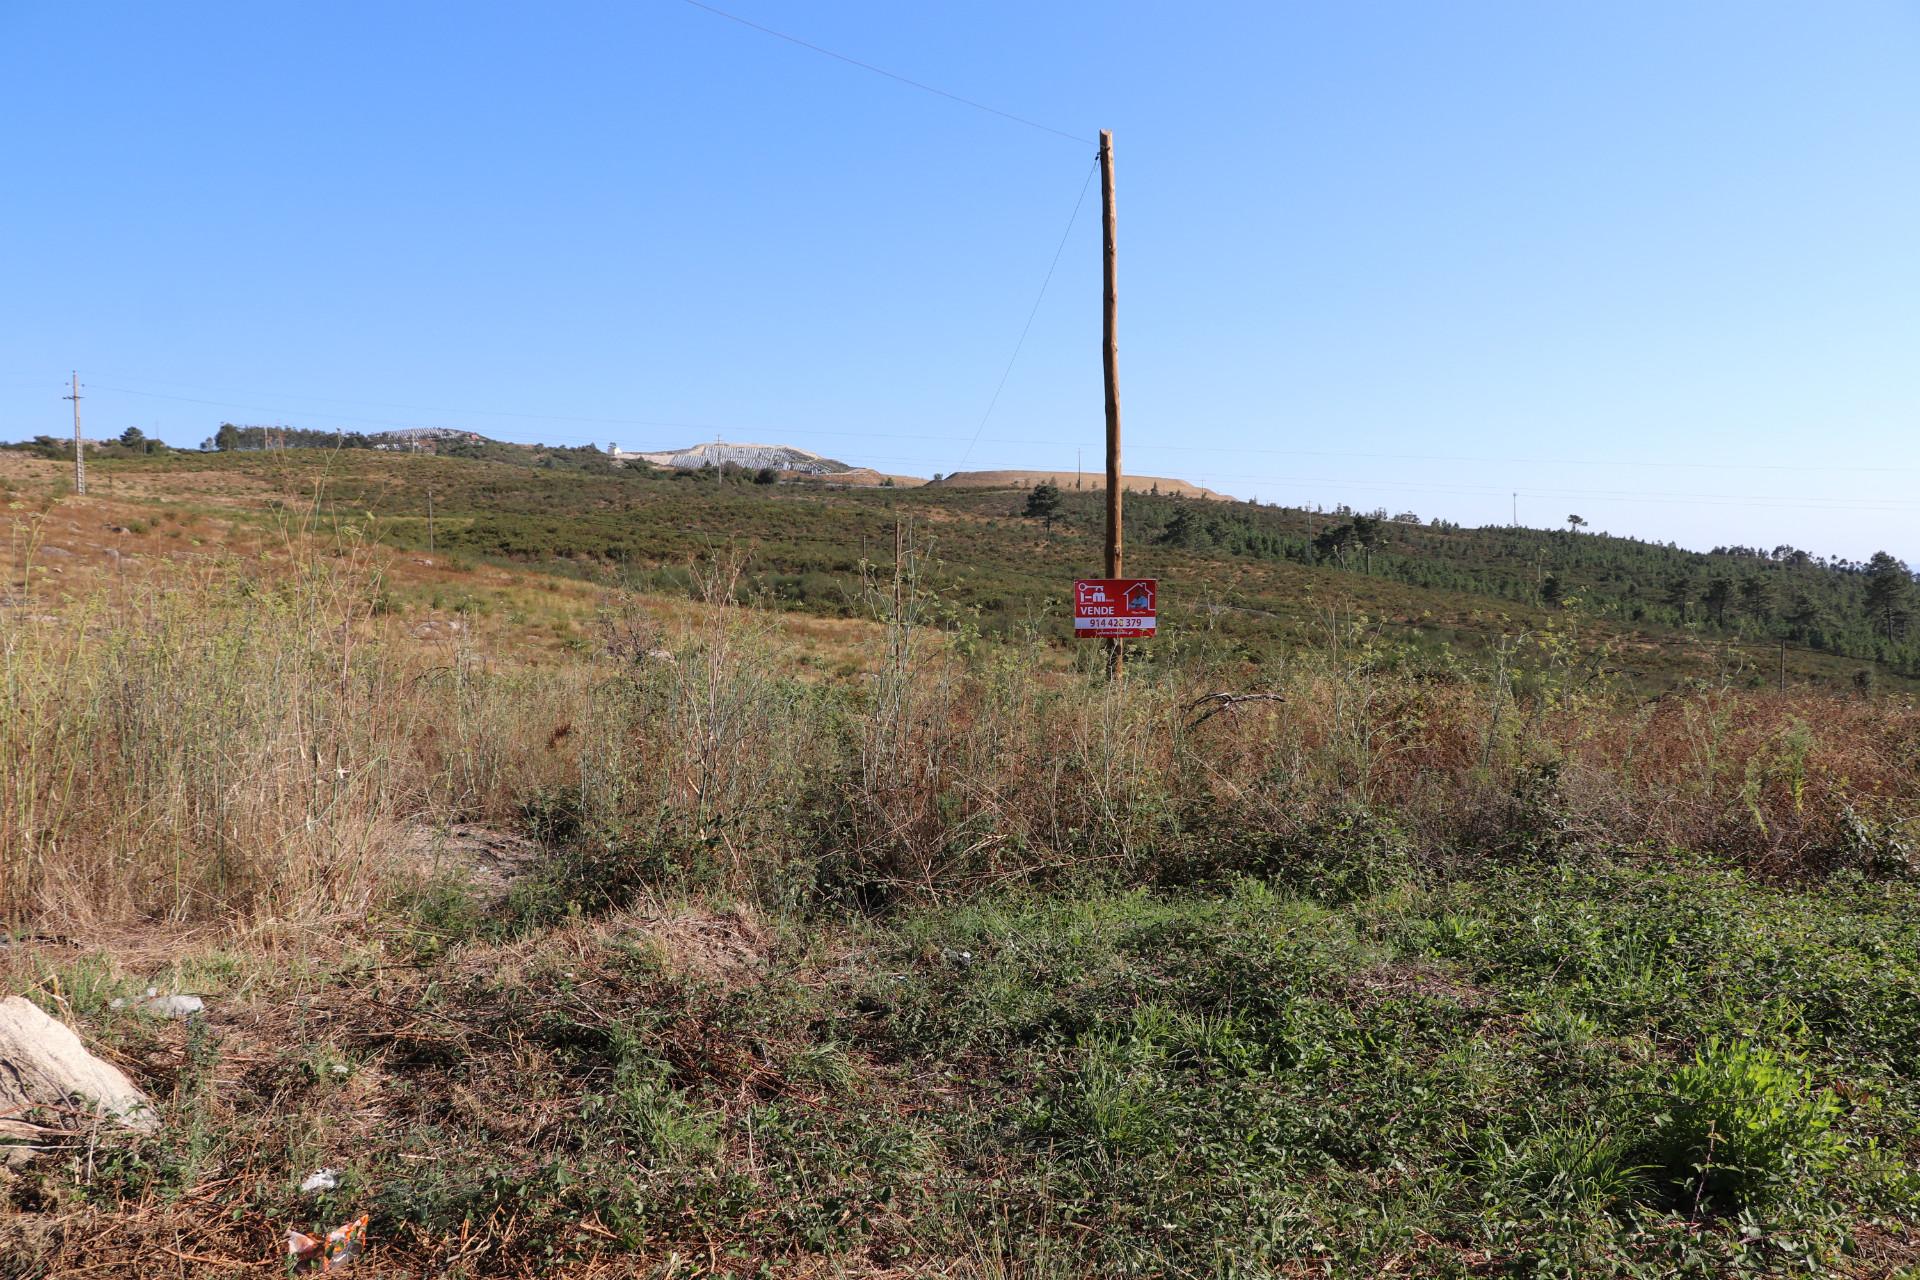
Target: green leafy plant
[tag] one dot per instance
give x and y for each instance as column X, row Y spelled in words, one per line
column 1744, row 1120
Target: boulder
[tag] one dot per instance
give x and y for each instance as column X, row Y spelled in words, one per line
column 50, row 1083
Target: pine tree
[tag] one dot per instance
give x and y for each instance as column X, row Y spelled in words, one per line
column 1719, row 595
column 1044, row 503
column 1889, row 598
column 1679, row 592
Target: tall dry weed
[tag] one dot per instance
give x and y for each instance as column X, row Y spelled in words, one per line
column 193, row 749
column 251, row 742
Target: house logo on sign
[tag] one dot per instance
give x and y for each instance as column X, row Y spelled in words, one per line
column 1114, row 608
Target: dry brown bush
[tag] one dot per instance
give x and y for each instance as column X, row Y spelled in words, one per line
column 239, row 747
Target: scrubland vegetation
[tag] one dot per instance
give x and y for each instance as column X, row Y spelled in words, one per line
column 942, row 956
column 1263, row 576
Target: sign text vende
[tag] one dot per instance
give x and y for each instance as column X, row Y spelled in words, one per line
column 1115, row 608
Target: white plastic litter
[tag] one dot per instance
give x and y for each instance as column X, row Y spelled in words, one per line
column 172, row 1006
column 321, row 1180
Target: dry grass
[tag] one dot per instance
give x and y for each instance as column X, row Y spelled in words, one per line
column 245, row 740
column 217, row 773
column 192, row 751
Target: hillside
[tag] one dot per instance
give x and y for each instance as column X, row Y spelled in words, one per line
column 781, row 461
column 623, row 866
column 1095, row 481
column 1261, row 577
column 719, row 453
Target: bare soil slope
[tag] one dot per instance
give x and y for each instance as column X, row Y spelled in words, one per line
column 1090, row 480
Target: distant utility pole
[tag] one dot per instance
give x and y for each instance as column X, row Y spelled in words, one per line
column 429, row 519
column 1110, row 360
column 79, row 447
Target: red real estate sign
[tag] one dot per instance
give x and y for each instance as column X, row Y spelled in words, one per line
column 1114, row 608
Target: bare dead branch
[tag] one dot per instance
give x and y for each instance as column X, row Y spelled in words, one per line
column 1215, row 703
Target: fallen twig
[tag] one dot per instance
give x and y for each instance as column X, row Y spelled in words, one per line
column 211, row 1260
column 1215, row 703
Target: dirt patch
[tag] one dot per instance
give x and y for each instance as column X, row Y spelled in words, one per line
column 1878, row 1252
column 720, row 950
column 730, row 947
column 1069, row 481
column 1401, row 981
column 489, row 861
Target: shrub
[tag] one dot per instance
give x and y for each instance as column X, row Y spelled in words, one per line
column 1744, row 1119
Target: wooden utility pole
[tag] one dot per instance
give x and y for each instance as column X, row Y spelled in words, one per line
column 1110, row 359
column 429, row 519
column 79, row 446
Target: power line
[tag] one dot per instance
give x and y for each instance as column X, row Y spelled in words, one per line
column 374, row 404
column 386, row 422
column 1754, row 501
column 732, row 427
column 1034, row 311
column 1516, row 462
column 275, row 411
column 882, row 71
column 1758, row 501
column 568, row 437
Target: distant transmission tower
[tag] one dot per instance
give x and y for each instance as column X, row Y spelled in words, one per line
column 79, row 446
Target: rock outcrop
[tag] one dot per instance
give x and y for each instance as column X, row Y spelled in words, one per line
column 50, row 1083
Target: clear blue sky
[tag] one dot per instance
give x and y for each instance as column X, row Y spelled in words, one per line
column 1657, row 264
